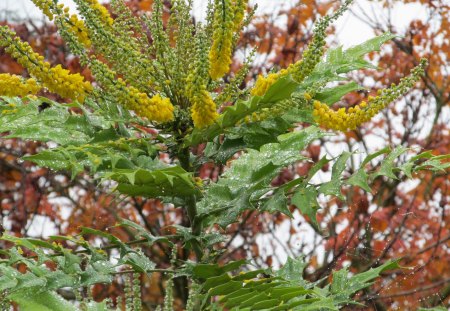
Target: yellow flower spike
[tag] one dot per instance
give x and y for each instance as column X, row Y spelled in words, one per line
column 203, row 111
column 102, row 12
column 74, row 25
column 221, row 49
column 155, row 109
column 13, row 85
column 264, row 83
column 239, row 12
column 53, row 78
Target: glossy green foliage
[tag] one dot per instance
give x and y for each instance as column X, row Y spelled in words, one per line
column 283, row 289
column 103, row 140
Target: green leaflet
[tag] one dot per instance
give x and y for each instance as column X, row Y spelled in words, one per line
column 333, row 187
column 39, row 300
column 249, row 177
column 55, row 123
column 344, row 285
column 334, row 94
column 305, row 199
column 338, row 62
column 204, row 239
column 171, row 181
column 284, row 289
column 388, row 164
column 292, row 271
column 359, row 179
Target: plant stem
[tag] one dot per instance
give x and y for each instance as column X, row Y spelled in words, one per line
column 191, row 204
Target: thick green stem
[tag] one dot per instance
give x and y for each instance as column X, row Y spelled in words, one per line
column 191, row 204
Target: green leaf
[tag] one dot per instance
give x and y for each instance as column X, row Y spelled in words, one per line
column 333, row 187
column 334, row 94
column 139, row 261
column 388, row 164
column 372, row 156
column 359, row 178
column 292, row 271
column 435, row 164
column 172, row 181
column 248, row 179
column 344, row 286
column 205, row 271
column 338, row 62
column 55, row 123
column 141, row 232
column 226, row 288
column 96, row 275
column 374, row 44
column 305, row 199
column 38, row 300
column 277, row 203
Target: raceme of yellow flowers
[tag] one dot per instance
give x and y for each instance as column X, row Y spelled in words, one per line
column 203, row 109
column 228, row 18
column 103, row 12
column 55, row 79
column 76, row 26
column 13, row 85
column 345, row 119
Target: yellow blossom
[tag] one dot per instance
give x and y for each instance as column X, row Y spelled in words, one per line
column 239, row 10
column 55, row 79
column 155, row 109
column 78, row 28
column 221, row 49
column 343, row 120
column 13, row 85
column 102, row 12
column 264, row 83
column 203, row 109
column 74, row 25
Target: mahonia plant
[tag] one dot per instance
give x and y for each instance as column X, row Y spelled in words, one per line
column 161, row 85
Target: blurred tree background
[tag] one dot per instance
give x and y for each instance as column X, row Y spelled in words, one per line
column 398, row 219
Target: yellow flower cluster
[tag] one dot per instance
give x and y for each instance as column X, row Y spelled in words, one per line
column 74, row 25
column 45, row 6
column 13, row 85
column 264, row 83
column 77, row 27
column 226, row 21
column 344, row 119
column 155, row 109
column 240, row 7
column 55, row 79
column 203, row 109
column 101, row 11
